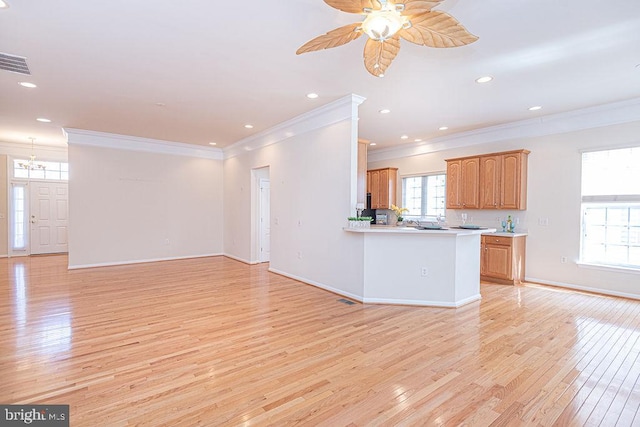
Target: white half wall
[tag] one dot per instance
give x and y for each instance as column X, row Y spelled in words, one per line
column 313, row 190
column 554, row 185
column 129, row 206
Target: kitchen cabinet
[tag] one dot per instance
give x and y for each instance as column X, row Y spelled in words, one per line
column 463, row 183
column 503, row 180
column 382, row 183
column 488, row 181
column 502, row 258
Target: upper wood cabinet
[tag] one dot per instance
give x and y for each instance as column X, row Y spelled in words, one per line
column 381, row 183
column 463, row 183
column 497, row 181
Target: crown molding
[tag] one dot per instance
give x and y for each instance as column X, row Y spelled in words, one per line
column 571, row 121
column 134, row 143
column 334, row 112
column 24, row 149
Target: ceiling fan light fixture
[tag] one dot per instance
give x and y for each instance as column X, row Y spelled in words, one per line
column 383, row 24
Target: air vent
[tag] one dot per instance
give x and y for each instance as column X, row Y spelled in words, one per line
column 15, row 64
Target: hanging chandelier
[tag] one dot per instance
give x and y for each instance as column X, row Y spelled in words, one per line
column 32, row 164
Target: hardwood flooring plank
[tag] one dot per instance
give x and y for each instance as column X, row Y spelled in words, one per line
column 212, row 341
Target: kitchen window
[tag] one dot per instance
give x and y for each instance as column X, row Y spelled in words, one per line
column 424, row 195
column 611, row 208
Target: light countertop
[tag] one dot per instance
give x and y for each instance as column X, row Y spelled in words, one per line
column 505, row 234
column 391, row 229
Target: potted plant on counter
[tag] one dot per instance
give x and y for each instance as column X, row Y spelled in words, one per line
column 398, row 211
column 359, row 221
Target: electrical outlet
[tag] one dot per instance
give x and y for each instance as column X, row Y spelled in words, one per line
column 563, row 259
column 543, row 221
column 424, row 271
column 276, row 221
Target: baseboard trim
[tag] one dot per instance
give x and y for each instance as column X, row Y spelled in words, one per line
column 583, row 288
column 241, row 259
column 440, row 304
column 317, row 285
column 388, row 301
column 138, row 261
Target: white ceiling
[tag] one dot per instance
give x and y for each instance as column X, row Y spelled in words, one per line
column 215, row 66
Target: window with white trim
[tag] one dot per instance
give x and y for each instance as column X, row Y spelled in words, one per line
column 611, row 208
column 49, row 171
column 19, row 218
column 424, row 195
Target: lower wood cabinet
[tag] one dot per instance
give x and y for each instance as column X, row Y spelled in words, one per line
column 502, row 258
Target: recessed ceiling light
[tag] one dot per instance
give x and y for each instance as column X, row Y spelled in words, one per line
column 248, row 126
column 213, row 143
column 312, row 95
column 404, row 137
column 484, row 79
column 443, row 128
column 384, row 111
column 372, row 143
column 535, row 108
column 3, row 4
column 160, row 104
column 27, row 84
column 417, row 140
column 43, row 120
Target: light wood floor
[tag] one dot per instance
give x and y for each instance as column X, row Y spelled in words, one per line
column 212, row 341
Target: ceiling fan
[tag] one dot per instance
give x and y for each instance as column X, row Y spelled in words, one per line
column 385, row 22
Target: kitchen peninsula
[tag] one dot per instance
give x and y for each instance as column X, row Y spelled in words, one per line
column 405, row 265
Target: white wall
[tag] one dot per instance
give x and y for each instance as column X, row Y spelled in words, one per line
column 553, row 193
column 312, row 176
column 131, row 206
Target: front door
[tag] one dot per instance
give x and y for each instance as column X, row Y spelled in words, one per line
column 48, row 217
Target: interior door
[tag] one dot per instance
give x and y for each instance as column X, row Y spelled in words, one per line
column 48, row 217
column 265, row 220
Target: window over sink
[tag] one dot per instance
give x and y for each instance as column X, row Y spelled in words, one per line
column 424, row 195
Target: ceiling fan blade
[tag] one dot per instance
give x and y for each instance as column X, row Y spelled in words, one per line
column 415, row 7
column 379, row 55
column 353, row 6
column 333, row 38
column 437, row 29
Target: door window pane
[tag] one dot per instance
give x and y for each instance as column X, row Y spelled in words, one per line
column 19, row 228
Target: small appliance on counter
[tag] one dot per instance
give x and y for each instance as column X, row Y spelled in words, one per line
column 368, row 211
column 381, row 219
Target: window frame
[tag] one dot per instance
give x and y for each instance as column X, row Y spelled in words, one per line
column 424, row 196
column 606, row 201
